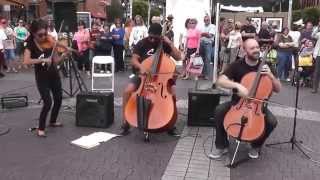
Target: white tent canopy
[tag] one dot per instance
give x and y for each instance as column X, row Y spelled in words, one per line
column 242, row 9
column 299, row 22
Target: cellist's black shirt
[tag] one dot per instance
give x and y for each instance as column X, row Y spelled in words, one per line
column 237, row 70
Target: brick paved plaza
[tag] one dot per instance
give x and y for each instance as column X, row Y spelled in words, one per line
column 26, row 157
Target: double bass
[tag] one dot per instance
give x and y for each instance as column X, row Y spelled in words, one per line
column 152, row 106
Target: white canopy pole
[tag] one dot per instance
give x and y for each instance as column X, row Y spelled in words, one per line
column 131, row 4
column 290, row 14
column 149, row 12
column 216, row 45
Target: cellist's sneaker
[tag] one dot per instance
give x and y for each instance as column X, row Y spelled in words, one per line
column 173, row 132
column 218, row 153
column 254, row 153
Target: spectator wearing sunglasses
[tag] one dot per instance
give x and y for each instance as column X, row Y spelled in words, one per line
column 192, row 41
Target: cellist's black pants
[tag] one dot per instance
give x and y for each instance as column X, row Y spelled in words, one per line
column 221, row 135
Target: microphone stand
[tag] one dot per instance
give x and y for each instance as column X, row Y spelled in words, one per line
column 293, row 140
column 73, row 70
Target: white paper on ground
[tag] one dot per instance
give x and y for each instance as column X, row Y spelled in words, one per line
column 93, row 139
column 102, row 136
column 85, row 142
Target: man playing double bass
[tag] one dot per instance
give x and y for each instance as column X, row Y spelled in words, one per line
column 141, row 51
column 230, row 79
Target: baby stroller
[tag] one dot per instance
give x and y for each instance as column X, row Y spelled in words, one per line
column 304, row 62
column 271, row 58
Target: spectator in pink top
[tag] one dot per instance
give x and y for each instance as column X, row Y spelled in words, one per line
column 192, row 41
column 82, row 37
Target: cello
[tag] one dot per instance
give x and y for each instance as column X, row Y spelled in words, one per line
column 245, row 120
column 152, row 107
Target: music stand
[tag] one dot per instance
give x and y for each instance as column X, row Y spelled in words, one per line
column 293, row 140
column 72, row 68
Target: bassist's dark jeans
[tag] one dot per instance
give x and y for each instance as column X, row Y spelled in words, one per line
column 221, row 135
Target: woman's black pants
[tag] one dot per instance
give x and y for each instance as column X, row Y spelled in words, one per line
column 52, row 85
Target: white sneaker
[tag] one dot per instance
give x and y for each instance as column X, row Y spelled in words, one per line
column 218, row 153
column 288, row 79
column 254, row 153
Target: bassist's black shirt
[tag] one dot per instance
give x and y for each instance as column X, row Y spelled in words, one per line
column 146, row 49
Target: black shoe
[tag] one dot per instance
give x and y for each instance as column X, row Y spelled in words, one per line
column 173, row 132
column 125, row 129
column 314, row 91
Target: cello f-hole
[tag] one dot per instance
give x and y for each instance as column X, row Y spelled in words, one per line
column 161, row 92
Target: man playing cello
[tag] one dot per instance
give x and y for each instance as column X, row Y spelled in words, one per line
column 230, row 79
column 141, row 51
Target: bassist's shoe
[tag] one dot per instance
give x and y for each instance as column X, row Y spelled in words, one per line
column 125, row 129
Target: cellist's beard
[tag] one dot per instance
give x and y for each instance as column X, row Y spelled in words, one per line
column 254, row 57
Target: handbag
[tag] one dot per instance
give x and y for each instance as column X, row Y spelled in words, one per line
column 197, row 60
column 195, row 65
column 305, row 61
column 272, row 56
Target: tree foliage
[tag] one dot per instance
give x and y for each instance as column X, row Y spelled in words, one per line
column 308, row 14
column 140, row 7
column 115, row 10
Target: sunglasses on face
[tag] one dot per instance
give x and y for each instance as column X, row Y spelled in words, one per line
column 3, row 22
column 41, row 35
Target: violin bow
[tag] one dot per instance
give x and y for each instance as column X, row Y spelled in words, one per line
column 56, row 42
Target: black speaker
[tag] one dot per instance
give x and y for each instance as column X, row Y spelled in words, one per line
column 95, row 110
column 201, row 107
column 65, row 10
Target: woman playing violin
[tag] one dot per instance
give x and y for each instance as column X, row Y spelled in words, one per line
column 38, row 51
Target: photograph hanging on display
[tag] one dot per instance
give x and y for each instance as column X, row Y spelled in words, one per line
column 257, row 23
column 275, row 22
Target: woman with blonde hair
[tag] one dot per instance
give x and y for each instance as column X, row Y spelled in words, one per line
column 192, row 42
column 234, row 45
column 139, row 31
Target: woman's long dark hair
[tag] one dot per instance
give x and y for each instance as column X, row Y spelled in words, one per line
column 35, row 26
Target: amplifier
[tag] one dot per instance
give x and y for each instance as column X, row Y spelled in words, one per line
column 14, row 100
column 201, row 107
column 95, row 109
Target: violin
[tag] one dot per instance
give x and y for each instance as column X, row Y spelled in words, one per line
column 57, row 46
